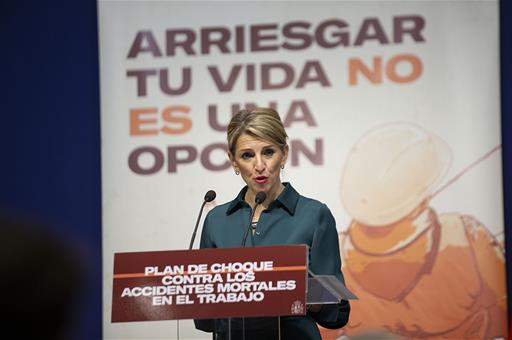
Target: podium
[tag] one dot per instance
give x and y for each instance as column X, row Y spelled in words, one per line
column 223, row 289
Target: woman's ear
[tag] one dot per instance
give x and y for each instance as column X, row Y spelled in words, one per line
column 232, row 159
column 233, row 163
column 285, row 154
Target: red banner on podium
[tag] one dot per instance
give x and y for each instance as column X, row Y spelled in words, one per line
column 209, row 283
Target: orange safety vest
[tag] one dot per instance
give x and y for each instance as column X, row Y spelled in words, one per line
column 447, row 282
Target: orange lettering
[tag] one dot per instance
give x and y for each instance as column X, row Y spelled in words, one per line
column 180, row 124
column 140, row 117
column 356, row 66
column 416, row 68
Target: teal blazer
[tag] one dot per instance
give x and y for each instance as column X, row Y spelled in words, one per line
column 290, row 219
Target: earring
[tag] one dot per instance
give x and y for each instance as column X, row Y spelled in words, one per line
column 237, row 172
column 282, row 166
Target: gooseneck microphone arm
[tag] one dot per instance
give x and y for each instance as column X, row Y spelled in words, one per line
column 260, row 198
column 210, row 196
column 249, row 227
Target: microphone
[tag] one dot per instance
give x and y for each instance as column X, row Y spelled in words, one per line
column 210, row 196
column 260, row 198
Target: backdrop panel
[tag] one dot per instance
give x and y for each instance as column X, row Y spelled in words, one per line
column 392, row 109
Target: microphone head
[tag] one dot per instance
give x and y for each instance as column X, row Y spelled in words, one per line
column 260, row 197
column 210, row 196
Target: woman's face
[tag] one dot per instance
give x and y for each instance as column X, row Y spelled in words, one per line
column 259, row 162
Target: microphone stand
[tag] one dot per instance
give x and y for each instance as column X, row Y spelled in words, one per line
column 197, row 225
column 210, row 196
column 260, row 198
column 249, row 227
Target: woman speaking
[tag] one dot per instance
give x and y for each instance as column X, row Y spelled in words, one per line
column 258, row 151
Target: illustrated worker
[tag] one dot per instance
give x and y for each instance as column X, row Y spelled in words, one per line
column 418, row 274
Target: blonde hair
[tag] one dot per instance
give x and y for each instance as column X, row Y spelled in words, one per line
column 263, row 123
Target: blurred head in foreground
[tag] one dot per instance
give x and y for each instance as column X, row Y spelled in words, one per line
column 40, row 280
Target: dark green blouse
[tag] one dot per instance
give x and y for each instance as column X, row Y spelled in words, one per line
column 290, row 219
